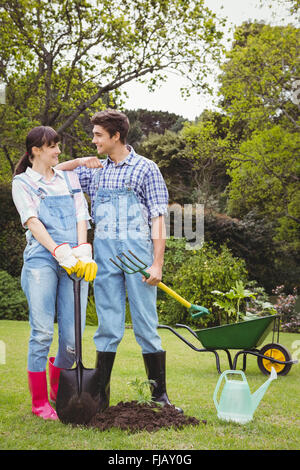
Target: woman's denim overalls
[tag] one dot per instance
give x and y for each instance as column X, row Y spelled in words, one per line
column 122, row 225
column 46, row 285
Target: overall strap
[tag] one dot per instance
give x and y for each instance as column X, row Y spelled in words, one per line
column 40, row 192
column 97, row 174
column 71, row 190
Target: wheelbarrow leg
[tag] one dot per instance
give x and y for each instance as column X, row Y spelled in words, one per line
column 244, row 352
column 244, row 362
column 217, row 360
column 229, row 358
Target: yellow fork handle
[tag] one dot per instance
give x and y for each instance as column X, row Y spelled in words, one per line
column 173, row 294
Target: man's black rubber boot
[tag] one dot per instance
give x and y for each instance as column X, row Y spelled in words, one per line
column 155, row 365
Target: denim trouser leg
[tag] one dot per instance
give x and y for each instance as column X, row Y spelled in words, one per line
column 142, row 303
column 110, row 296
column 39, row 285
column 142, row 299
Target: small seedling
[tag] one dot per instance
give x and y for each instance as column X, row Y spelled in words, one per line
column 142, row 388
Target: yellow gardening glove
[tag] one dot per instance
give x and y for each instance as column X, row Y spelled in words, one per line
column 88, row 269
column 65, row 258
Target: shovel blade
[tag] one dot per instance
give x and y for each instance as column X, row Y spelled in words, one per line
column 78, row 395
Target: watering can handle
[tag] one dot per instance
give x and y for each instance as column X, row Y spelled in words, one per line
column 222, row 376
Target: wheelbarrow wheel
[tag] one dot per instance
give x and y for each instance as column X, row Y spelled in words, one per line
column 276, row 351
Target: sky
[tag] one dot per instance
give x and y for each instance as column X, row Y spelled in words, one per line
column 167, row 97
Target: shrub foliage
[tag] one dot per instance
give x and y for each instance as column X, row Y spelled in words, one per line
column 13, row 303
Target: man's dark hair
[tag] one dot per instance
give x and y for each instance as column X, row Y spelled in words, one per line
column 112, row 121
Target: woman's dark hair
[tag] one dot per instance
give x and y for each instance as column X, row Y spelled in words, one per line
column 37, row 137
column 112, row 121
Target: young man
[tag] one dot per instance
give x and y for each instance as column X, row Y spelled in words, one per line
column 129, row 199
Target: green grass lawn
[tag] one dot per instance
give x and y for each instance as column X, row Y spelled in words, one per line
column 191, row 380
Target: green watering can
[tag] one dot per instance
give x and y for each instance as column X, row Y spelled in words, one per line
column 236, row 402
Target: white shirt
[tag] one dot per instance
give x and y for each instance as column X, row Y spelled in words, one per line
column 27, row 202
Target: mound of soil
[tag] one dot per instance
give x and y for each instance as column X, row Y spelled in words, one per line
column 133, row 416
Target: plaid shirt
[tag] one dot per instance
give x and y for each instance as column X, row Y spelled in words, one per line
column 146, row 181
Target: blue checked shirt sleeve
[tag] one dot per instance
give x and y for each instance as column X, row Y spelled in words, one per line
column 156, row 192
column 81, row 206
column 85, row 176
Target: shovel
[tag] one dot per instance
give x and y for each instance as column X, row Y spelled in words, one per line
column 78, row 391
column 195, row 310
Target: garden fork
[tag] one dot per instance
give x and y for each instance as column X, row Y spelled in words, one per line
column 133, row 267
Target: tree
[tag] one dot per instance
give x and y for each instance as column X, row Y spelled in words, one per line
column 292, row 5
column 205, row 151
column 258, row 78
column 258, row 98
column 167, row 150
column 265, row 175
column 78, row 51
column 156, row 122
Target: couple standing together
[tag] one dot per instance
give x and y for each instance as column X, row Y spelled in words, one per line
column 125, row 190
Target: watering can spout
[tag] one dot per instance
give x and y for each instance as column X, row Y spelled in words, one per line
column 258, row 395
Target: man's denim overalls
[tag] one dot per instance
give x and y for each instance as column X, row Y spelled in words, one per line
column 122, row 225
column 46, row 285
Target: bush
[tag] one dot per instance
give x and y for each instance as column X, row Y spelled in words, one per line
column 13, row 303
column 194, row 274
column 286, row 307
column 12, row 234
column 253, row 239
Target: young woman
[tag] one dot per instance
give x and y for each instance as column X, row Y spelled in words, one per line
column 53, row 209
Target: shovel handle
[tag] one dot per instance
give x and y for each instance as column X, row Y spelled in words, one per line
column 77, row 319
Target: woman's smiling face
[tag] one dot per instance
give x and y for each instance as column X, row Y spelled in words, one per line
column 49, row 154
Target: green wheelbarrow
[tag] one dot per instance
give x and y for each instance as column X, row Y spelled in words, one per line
column 246, row 336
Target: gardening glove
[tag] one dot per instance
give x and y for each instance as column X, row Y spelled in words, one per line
column 65, row 258
column 89, row 267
